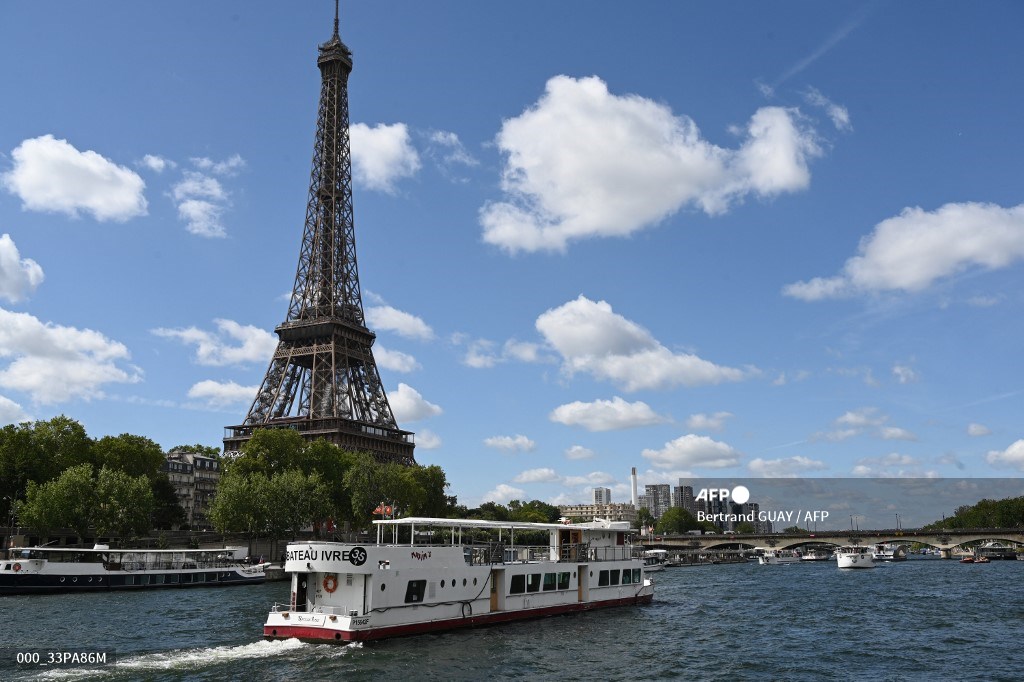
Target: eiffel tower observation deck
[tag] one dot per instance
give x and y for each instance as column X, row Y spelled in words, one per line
column 323, row 381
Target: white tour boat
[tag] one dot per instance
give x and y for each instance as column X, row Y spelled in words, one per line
column 31, row 570
column 440, row 577
column 889, row 551
column 817, row 554
column 854, row 557
column 655, row 560
column 774, row 557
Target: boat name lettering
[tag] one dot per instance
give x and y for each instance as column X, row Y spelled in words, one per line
column 328, row 555
column 422, row 556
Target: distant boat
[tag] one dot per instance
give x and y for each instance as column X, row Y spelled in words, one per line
column 982, row 560
column 655, row 560
column 817, row 555
column 36, row 570
column 995, row 550
column 854, row 557
column 967, row 560
column 889, row 552
column 774, row 557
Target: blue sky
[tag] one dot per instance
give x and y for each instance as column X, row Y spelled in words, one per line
column 701, row 239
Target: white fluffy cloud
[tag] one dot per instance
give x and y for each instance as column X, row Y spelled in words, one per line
column 11, row 412
column 384, row 317
column 517, row 443
column 578, row 452
column 591, row 479
column 382, row 155
column 543, row 475
column 427, row 440
column 409, row 406
column 789, row 467
column 222, row 394
column 1012, row 456
column 394, row 360
column 19, row 276
column 693, row 451
column 909, row 252
column 584, row 163
column 54, row 364
column 503, row 493
column 977, row 430
column 592, row 338
column 201, row 198
column 708, row 422
column 606, row 415
column 865, row 420
column 232, row 343
column 52, row 175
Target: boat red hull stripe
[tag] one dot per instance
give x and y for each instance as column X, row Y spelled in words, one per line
column 323, row 633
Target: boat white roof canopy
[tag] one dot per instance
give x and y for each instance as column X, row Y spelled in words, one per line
column 596, row 524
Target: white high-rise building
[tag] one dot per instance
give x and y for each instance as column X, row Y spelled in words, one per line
column 602, row 495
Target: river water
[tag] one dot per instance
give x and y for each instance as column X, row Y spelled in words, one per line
column 923, row 619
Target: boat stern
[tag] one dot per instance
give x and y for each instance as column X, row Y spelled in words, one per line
column 316, row 627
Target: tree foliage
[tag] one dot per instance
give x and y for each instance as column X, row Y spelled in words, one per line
column 281, row 483
column 134, row 455
column 1005, row 513
column 676, row 520
column 116, row 503
column 124, row 504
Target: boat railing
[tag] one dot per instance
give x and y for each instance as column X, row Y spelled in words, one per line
column 499, row 553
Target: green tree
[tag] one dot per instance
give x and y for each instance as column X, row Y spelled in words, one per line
column 433, row 502
column 676, row 520
column 167, row 511
column 644, row 518
column 371, row 483
column 295, row 500
column 69, row 501
column 270, row 451
column 38, row 451
column 205, row 450
column 124, row 504
column 63, row 442
column 332, row 464
column 134, row 455
column 240, row 505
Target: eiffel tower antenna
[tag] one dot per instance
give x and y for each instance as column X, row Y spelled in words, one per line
column 323, row 380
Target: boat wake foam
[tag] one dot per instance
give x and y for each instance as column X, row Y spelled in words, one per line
column 199, row 658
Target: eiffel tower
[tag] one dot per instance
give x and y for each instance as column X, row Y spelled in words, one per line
column 323, row 380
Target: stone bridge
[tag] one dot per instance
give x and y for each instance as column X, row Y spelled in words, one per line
column 944, row 540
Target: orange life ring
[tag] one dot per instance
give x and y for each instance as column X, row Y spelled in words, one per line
column 17, row 567
column 330, row 583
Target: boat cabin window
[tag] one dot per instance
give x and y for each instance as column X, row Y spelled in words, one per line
column 550, row 581
column 602, row 579
column 533, row 582
column 615, row 577
column 636, row 575
column 414, row 591
column 563, row 581
column 627, row 577
column 518, row 585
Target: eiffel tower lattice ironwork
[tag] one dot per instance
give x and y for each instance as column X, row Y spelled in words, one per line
column 323, row 380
